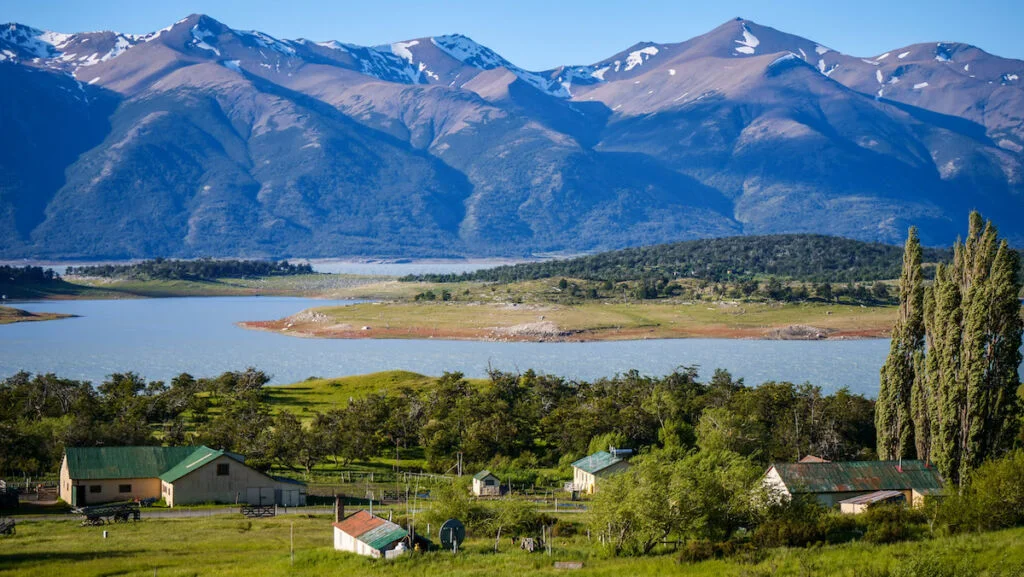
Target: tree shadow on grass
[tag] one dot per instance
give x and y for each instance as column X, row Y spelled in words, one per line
column 13, row 560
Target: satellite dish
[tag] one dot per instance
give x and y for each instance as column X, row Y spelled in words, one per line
column 452, row 534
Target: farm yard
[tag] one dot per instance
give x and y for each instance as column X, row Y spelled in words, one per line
column 234, row 546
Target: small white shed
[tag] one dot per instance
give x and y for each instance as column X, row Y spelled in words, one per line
column 485, row 484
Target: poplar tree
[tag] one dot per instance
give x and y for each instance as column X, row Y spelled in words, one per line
column 965, row 405
column 895, row 420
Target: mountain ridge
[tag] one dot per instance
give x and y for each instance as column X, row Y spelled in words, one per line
column 222, row 142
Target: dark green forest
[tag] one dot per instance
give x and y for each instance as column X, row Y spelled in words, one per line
column 199, row 269
column 528, row 419
column 801, row 257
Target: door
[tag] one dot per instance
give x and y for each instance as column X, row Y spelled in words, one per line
column 252, row 495
column 266, row 495
column 78, row 496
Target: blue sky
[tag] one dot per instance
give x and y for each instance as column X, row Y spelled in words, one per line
column 539, row 34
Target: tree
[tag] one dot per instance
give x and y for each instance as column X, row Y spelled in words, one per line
column 824, row 291
column 973, row 331
column 699, row 495
column 893, row 412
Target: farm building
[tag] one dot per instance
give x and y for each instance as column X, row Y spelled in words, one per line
column 486, row 485
column 861, row 503
column 586, row 471
column 179, row 475
column 368, row 535
column 832, row 482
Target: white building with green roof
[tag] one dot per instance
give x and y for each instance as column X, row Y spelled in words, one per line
column 179, row 475
column 586, row 471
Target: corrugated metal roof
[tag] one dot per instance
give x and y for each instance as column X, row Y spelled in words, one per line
column 851, row 476
column 599, row 461
column 371, row 530
column 381, row 537
column 872, row 498
column 197, row 459
column 483, row 475
column 123, row 462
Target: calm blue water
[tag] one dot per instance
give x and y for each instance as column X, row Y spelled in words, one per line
column 160, row 338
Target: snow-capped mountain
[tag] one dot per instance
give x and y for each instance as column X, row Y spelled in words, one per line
column 203, row 139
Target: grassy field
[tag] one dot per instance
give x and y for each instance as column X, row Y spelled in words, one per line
column 233, row 546
column 591, row 320
column 10, row 315
column 325, row 394
column 312, row 285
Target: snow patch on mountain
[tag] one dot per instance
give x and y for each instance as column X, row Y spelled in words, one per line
column 266, row 41
column 401, row 49
column 903, row 55
column 472, row 54
column 821, row 50
column 638, row 57
column 749, row 43
column 199, row 37
column 233, row 65
column 920, row 85
column 36, row 43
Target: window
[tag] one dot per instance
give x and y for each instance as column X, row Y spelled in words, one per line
column 222, row 469
column 124, row 488
column 95, row 488
column 489, row 482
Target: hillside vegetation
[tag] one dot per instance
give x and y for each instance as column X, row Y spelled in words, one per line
column 200, row 269
column 804, row 257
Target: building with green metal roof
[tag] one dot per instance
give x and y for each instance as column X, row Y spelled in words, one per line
column 831, row 482
column 178, row 475
column 586, row 471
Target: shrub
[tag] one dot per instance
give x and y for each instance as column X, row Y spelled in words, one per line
column 702, row 550
column 563, row 528
column 892, row 523
column 992, row 498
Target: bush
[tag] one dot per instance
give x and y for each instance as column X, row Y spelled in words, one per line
column 796, row 522
column 992, row 498
column 702, row 550
column 563, row 528
column 892, row 523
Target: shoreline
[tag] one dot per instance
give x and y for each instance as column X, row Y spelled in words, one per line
column 581, row 323
column 11, row 315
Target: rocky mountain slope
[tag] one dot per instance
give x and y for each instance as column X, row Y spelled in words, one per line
column 200, row 139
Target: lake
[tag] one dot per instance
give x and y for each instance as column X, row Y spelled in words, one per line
column 160, row 338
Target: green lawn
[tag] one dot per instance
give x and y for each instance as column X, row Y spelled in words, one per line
column 231, row 545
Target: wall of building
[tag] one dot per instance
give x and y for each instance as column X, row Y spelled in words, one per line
column 482, row 489
column 204, row 485
column 108, row 489
column 345, row 542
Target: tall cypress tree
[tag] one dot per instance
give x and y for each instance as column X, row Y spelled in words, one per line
column 894, row 414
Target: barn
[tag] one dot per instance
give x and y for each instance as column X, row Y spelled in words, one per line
column 586, row 471
column 366, row 534
column 179, row 475
column 832, row 482
column 485, row 484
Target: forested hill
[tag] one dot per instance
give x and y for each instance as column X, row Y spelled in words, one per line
column 200, row 269
column 805, row 257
